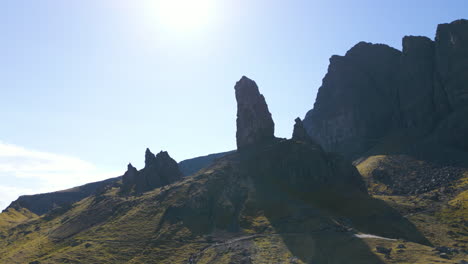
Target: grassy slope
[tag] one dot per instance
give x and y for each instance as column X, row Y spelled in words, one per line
column 221, row 215
column 12, row 217
column 440, row 214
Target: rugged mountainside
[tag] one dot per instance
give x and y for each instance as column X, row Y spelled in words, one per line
column 41, row 204
column 375, row 92
column 285, row 201
column 191, row 166
column 401, row 116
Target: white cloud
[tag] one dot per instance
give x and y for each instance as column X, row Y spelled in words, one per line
column 25, row 171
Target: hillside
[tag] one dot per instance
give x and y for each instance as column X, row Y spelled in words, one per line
column 376, row 173
column 41, row 204
column 272, row 200
column 401, row 117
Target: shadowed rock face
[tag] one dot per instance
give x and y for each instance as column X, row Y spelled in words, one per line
column 130, row 175
column 375, row 90
column 415, row 84
column 159, row 170
column 299, row 132
column 291, row 191
column 150, row 158
column 357, row 101
column 452, row 61
column 254, row 122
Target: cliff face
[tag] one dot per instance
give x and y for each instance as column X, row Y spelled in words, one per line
column 357, row 101
column 375, row 90
column 272, row 201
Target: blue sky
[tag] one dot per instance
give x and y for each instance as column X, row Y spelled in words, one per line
column 87, row 85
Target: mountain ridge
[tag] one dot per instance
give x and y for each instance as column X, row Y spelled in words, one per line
column 293, row 200
column 375, row 90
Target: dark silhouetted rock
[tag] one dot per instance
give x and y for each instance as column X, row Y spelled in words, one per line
column 415, row 85
column 150, row 158
column 163, row 171
column 451, row 47
column 452, row 61
column 299, row 132
column 375, row 92
column 254, row 122
column 159, row 170
column 129, row 178
column 357, row 103
column 384, row 250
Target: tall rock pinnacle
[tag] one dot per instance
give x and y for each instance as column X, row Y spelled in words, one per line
column 130, row 177
column 149, row 157
column 254, row 122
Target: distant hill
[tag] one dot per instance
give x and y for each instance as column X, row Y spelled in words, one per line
column 191, row 166
column 43, row 203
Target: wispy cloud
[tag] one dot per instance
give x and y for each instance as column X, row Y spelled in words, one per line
column 25, row 171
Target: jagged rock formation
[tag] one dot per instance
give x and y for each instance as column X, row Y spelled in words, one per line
column 299, row 132
column 375, row 90
column 159, row 170
column 254, row 122
column 355, row 104
column 130, row 175
column 452, row 61
column 43, row 203
column 287, row 201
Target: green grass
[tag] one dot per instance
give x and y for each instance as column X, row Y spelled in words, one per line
column 226, row 201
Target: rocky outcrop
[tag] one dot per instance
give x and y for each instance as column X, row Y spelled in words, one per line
column 299, row 132
column 129, row 178
column 415, row 84
column 357, row 101
column 254, row 122
column 405, row 175
column 375, row 91
column 159, row 170
column 451, row 55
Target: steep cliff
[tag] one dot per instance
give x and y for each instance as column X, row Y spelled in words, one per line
column 375, row 92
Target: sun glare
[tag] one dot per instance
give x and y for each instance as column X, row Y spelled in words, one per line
column 183, row 15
